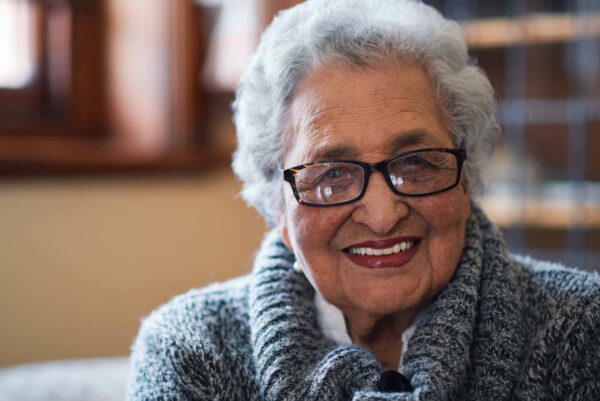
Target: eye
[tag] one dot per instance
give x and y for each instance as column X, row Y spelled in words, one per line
column 423, row 161
column 335, row 173
column 331, row 173
column 329, row 182
column 412, row 163
column 414, row 160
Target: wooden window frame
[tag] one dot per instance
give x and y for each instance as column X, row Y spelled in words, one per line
column 65, row 121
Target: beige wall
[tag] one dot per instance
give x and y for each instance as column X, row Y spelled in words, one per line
column 81, row 261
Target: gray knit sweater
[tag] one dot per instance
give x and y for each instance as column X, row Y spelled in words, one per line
column 504, row 328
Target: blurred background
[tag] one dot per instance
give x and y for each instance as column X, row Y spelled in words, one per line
column 116, row 138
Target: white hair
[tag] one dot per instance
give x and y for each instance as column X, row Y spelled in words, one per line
column 363, row 33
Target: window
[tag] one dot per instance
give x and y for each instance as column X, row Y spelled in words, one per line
column 101, row 86
column 17, row 44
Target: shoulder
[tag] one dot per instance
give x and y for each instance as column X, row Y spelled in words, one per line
column 557, row 285
column 552, row 292
column 208, row 302
column 204, row 312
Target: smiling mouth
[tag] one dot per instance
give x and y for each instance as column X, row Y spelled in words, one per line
column 391, row 253
column 397, row 248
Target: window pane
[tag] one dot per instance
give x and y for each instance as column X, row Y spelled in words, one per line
column 16, row 43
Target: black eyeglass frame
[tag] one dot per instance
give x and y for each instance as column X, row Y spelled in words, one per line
column 382, row 166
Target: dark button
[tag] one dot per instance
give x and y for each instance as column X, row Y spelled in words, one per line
column 391, row 381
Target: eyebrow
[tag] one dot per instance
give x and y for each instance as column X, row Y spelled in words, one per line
column 416, row 137
column 336, row 152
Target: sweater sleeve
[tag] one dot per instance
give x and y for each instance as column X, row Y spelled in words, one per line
column 153, row 373
column 577, row 364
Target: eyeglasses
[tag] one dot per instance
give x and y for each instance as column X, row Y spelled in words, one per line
column 336, row 182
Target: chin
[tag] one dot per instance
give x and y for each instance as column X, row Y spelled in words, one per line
column 376, row 299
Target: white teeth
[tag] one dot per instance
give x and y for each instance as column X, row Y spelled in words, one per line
column 401, row 247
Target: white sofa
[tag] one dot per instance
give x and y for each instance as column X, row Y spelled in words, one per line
column 101, row 379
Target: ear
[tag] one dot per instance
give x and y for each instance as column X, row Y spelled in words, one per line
column 283, row 230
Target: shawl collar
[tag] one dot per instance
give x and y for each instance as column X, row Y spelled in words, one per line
column 459, row 341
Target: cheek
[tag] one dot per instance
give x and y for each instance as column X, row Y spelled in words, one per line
column 312, row 235
column 315, row 230
column 446, row 220
column 311, row 229
column 446, row 213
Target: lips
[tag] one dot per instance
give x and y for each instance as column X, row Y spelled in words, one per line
column 390, row 253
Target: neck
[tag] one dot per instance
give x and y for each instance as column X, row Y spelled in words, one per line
column 382, row 334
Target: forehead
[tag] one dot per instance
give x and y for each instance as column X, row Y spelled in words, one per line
column 338, row 112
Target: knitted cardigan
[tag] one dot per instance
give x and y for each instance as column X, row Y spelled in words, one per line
column 504, row 328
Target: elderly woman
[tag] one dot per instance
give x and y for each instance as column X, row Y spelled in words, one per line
column 362, row 128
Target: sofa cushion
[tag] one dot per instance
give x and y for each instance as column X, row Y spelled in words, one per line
column 101, row 379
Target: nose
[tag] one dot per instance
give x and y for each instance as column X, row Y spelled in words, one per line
column 380, row 209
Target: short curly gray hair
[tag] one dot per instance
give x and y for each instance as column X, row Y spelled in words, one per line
column 359, row 33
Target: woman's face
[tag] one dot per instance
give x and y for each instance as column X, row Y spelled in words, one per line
column 369, row 115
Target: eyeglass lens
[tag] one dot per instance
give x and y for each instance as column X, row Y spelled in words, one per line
column 330, row 182
column 412, row 174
